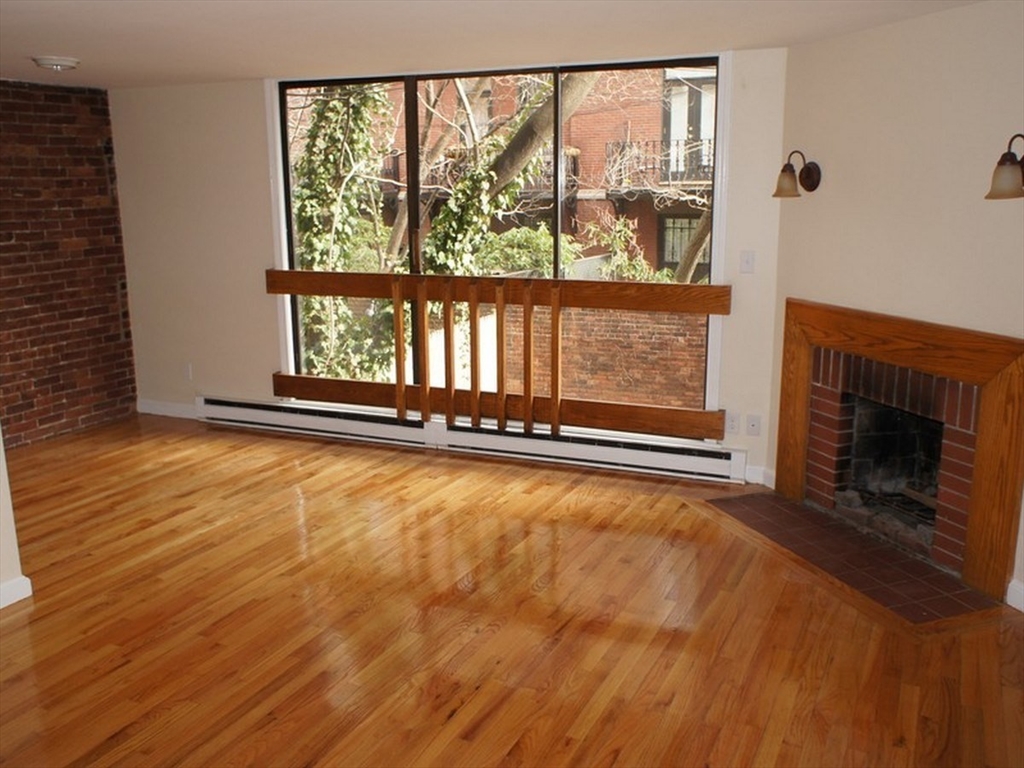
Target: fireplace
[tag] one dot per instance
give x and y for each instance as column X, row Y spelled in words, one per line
column 891, row 449
column 895, row 452
column 893, row 483
column 973, row 382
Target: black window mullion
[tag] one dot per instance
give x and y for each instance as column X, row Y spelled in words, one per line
column 557, row 181
column 412, row 204
column 282, row 112
column 412, row 172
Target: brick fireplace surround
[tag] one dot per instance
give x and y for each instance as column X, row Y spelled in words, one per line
column 837, row 375
column 971, row 381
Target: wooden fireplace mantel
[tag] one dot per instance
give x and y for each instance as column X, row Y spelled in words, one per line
column 995, row 363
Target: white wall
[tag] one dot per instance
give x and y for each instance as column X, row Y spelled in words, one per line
column 194, row 186
column 14, row 585
column 751, row 223
column 907, row 122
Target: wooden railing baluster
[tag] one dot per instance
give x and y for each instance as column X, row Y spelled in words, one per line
column 423, row 370
column 449, row 354
column 528, row 357
column 398, row 312
column 499, row 330
column 474, row 352
column 556, row 359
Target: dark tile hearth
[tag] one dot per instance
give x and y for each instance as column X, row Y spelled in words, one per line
column 911, row 588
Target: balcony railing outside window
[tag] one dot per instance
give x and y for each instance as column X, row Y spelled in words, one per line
column 541, row 182
column 628, row 165
column 446, row 173
column 639, row 164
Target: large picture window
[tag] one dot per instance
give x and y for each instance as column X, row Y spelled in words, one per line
column 564, row 172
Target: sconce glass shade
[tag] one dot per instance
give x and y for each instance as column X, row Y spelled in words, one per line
column 786, row 185
column 1007, row 179
column 789, row 182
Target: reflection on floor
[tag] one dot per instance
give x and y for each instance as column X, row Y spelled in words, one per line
column 911, row 588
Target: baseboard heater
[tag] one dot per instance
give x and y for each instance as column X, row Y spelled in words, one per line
column 587, row 447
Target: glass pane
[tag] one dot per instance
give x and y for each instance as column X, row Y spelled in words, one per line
column 642, row 148
column 486, row 192
column 345, row 179
column 345, row 164
column 349, row 338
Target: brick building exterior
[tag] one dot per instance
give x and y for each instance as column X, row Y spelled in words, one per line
column 65, row 338
column 645, row 358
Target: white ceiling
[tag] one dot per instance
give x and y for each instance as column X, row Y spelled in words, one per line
column 130, row 43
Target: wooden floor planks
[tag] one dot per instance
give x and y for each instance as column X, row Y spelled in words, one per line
column 210, row 597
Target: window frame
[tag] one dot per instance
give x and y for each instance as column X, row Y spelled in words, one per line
column 720, row 62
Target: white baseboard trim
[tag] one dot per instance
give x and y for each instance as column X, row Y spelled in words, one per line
column 161, row 408
column 1015, row 595
column 13, row 590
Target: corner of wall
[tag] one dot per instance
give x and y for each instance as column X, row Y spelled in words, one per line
column 14, row 585
column 1015, row 595
column 1015, row 592
column 15, row 590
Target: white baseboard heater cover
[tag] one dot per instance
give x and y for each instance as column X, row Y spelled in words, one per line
column 692, row 459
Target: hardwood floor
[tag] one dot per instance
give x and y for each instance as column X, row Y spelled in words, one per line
column 214, row 598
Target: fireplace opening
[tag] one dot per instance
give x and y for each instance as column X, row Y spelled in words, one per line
column 893, row 476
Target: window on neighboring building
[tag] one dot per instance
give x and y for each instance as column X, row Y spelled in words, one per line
column 689, row 122
column 676, row 233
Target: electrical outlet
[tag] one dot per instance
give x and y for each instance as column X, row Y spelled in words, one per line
column 753, row 424
column 732, row 422
column 188, row 371
column 747, row 259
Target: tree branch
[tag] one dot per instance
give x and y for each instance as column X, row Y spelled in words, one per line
column 538, row 129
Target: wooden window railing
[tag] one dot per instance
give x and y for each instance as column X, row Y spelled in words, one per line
column 527, row 407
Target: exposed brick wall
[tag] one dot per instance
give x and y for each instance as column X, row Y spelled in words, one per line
column 836, row 377
column 65, row 341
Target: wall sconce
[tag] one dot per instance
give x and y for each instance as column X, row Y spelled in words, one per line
column 810, row 177
column 1008, row 177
